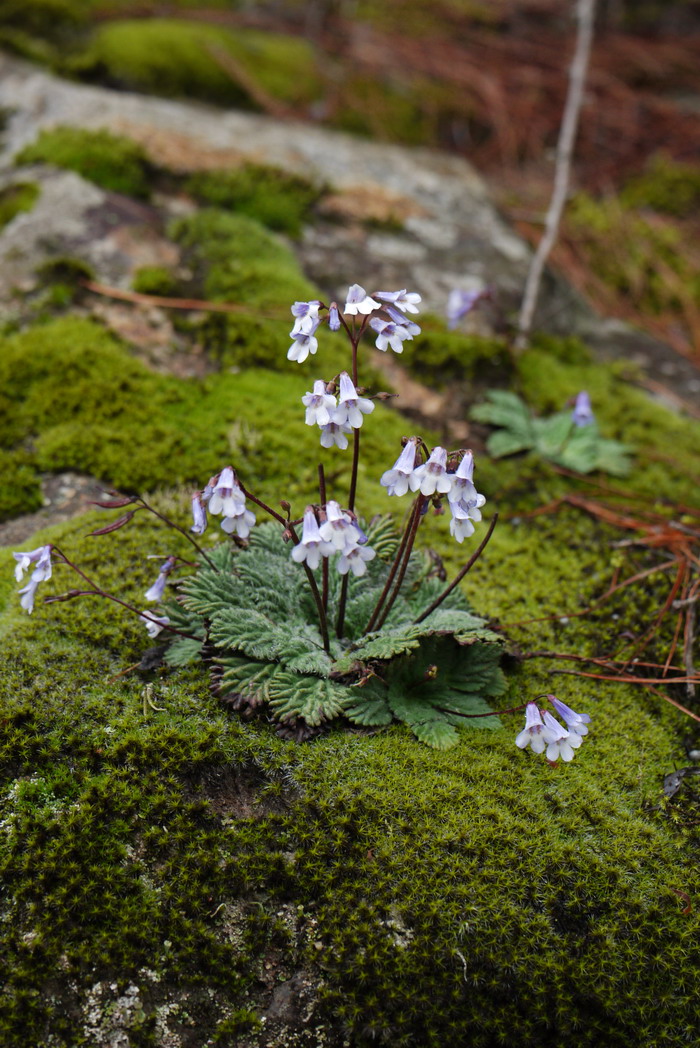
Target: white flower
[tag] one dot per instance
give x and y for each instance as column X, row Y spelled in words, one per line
column 400, row 299
column 350, row 408
column 400, row 318
column 41, row 557
column 333, row 434
column 338, row 528
column 302, row 345
column 158, row 588
column 240, row 523
column 560, row 743
column 577, row 723
column 199, row 514
column 305, row 317
column 432, row 476
column 355, row 560
column 358, row 301
column 396, row 479
column 227, row 497
column 533, row 734
column 312, row 546
column 389, row 334
column 319, row 405
column 463, row 513
column 459, row 303
column 462, row 482
column 154, row 623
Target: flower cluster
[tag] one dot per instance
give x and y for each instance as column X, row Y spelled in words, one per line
column 327, row 530
column 435, row 478
column 336, row 418
column 41, row 557
column 223, row 496
column 543, row 732
column 391, row 325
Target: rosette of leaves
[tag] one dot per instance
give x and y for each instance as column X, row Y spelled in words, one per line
column 259, row 629
column 556, row 438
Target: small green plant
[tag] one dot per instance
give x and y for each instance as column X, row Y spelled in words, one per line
column 569, row 438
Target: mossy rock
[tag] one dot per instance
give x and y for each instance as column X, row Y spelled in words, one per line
column 16, row 198
column 110, row 161
column 176, row 58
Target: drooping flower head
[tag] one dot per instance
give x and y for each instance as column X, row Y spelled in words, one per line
column 407, row 301
column 199, row 513
column 41, row 558
column 402, row 320
column 560, row 742
column 464, row 512
column 303, row 344
column 305, row 317
column 533, row 734
column 154, row 623
column 155, row 592
column 396, row 479
column 390, row 334
column 355, row 560
column 351, row 407
column 577, row 723
column 333, row 435
column 333, row 317
column 320, row 405
column 338, row 528
column 227, row 499
column 462, row 480
column 582, row 415
column 432, row 476
column 359, row 302
column 312, row 546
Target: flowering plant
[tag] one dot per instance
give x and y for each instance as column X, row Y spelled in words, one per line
column 327, row 614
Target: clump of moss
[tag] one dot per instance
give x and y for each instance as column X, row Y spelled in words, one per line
column 110, row 161
column 20, row 489
column 667, row 186
column 177, row 58
column 277, row 199
column 155, row 280
column 442, row 357
column 16, row 198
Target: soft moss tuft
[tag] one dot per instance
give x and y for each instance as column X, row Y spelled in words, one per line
column 666, row 186
column 110, row 161
column 16, row 198
column 156, row 280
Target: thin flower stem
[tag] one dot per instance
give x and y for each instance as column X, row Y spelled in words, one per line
column 458, row 578
column 420, row 502
column 491, row 713
column 98, row 592
column 340, row 621
column 390, row 577
column 268, row 509
column 355, row 465
column 172, row 524
column 324, row 565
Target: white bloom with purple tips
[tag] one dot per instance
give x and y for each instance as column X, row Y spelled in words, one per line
column 407, row 301
column 338, row 528
column 355, row 560
column 333, row 317
column 319, row 405
column 432, row 476
column 560, row 742
column 305, row 317
column 533, row 734
column 226, row 498
column 312, row 546
column 240, row 524
column 577, row 723
column 462, row 481
column 154, row 623
column 389, row 334
column 359, row 302
column 399, row 318
column 464, row 511
column 351, row 407
column 156, row 591
column 199, row 513
column 303, row 344
column 333, row 435
column 41, row 558
column 396, row 479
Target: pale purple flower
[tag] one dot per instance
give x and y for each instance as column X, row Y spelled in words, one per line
column 355, row 560
column 396, row 479
column 199, row 514
column 399, row 318
column 459, row 303
column 389, row 334
column 303, row 344
column 432, row 476
column 333, row 317
column 582, row 415
column 533, row 734
column 334, row 435
column 338, row 528
column 464, row 511
column 402, row 300
column 312, row 546
column 41, row 557
column 154, row 623
column 351, row 407
column 226, row 498
column 462, row 480
column 240, row 523
column 577, row 723
column 158, row 588
column 560, row 743
column 358, row 301
column 305, row 317
column 319, row 405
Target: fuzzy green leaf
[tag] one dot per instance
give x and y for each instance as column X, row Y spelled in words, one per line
column 312, row 698
column 504, row 442
column 182, row 650
column 298, row 646
column 439, row 734
column 245, row 677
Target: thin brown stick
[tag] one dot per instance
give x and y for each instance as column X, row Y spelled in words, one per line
column 394, row 567
column 139, row 298
column 411, row 538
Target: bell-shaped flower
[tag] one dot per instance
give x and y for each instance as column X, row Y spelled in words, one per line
column 577, row 723
column 533, row 734
column 389, row 334
column 226, row 498
column 154, row 623
column 319, row 405
column 305, row 317
column 459, row 303
column 408, row 302
column 333, row 317
column 462, row 480
column 560, row 742
column 303, row 344
column 155, row 592
column 400, row 318
column 582, row 415
column 199, row 513
column 358, row 301
column 432, row 476
column 313, row 547
column 338, row 528
column 351, row 407
column 239, row 524
column 333, row 435
column 355, row 560
column 396, row 479
column 40, row 557
column 463, row 513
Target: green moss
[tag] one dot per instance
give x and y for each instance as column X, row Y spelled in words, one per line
column 155, row 280
column 268, row 194
column 20, row 490
column 16, row 198
column 110, row 161
column 171, row 57
column 666, row 186
column 441, row 357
